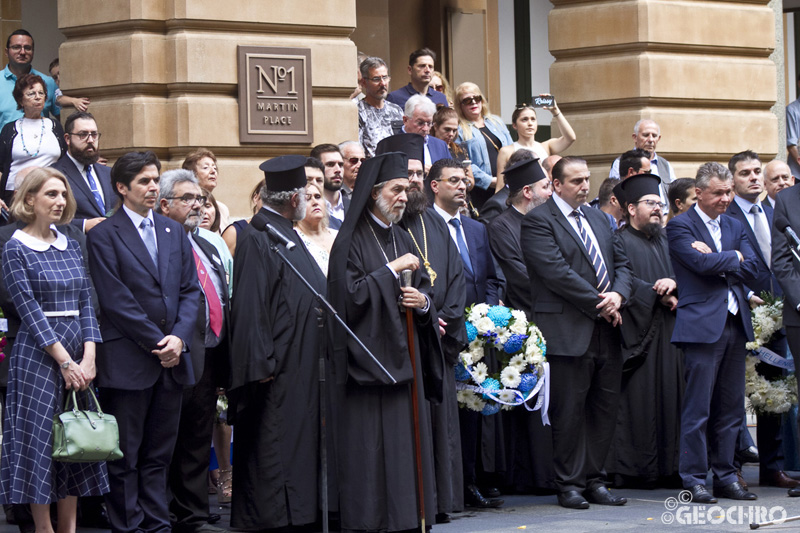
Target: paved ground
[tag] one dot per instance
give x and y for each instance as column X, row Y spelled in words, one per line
column 645, row 511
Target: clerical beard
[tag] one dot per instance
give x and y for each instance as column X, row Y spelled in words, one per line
column 652, row 230
column 300, row 210
column 386, row 210
column 417, row 202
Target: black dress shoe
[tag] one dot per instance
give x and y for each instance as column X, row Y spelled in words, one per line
column 734, row 491
column 490, row 492
column 602, row 496
column 748, row 455
column 474, row 498
column 701, row 495
column 795, row 492
column 442, row 518
column 213, row 518
column 572, row 499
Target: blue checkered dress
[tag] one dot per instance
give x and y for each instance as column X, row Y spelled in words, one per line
column 44, row 281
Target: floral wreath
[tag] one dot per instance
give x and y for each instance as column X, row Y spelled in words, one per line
column 765, row 396
column 519, row 348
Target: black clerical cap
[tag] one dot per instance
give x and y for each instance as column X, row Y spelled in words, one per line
column 631, row 189
column 285, row 173
column 411, row 144
column 523, row 173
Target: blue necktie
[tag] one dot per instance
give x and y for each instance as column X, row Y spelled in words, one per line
column 603, row 283
column 95, row 190
column 462, row 246
column 150, row 240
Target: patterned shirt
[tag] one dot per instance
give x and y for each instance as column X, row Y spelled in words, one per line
column 375, row 124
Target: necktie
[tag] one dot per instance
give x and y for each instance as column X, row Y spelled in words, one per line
column 95, row 189
column 603, row 283
column 149, row 240
column 716, row 232
column 212, row 298
column 462, row 246
column 762, row 233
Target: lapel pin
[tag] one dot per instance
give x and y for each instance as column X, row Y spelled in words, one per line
column 167, row 230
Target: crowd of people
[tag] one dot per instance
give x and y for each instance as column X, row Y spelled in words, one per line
column 141, row 284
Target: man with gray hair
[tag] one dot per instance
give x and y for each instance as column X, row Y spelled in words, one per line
column 275, row 362
column 646, row 134
column 712, row 259
column 181, row 199
column 376, row 116
column 353, row 155
column 418, row 118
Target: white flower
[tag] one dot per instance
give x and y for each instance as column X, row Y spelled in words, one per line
column 479, row 373
column 510, row 377
column 533, row 355
column 476, row 350
column 466, row 358
column 507, row 395
column 519, row 316
column 518, row 362
column 484, row 325
column 477, row 312
column 476, row 403
column 463, row 396
column 503, row 335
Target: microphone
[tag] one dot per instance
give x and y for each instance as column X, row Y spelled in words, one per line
column 791, row 236
column 260, row 223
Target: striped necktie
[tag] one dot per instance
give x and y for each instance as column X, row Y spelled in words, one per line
column 603, row 283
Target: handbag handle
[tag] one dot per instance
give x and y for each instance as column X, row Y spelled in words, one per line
column 74, row 398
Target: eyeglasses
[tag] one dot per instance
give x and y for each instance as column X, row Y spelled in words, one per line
column 189, row 199
column 423, row 123
column 34, row 94
column 356, row 160
column 415, row 174
column 469, row 100
column 455, row 180
column 331, row 164
column 439, row 88
column 83, row 135
column 18, row 47
column 378, row 79
column 652, row 204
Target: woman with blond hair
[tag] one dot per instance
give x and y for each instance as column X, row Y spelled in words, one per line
column 440, row 83
column 313, row 228
column 482, row 135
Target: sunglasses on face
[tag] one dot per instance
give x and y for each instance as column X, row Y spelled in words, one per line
column 477, row 99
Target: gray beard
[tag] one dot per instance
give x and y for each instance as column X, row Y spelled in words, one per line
column 386, row 210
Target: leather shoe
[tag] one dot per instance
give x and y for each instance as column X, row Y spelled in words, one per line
column 490, row 492
column 213, row 518
column 734, row 491
column 474, row 498
column 795, row 492
column 572, row 499
column 602, row 496
column 442, row 518
column 701, row 495
column 740, row 479
column 748, row 455
column 778, row 479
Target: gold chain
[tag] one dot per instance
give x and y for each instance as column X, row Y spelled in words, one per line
column 431, row 272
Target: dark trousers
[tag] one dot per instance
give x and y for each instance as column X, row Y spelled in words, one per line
column 583, row 409
column 148, row 426
column 188, row 472
column 793, row 338
column 713, row 406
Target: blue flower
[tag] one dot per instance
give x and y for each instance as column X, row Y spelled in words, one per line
column 461, row 373
column 490, row 384
column 528, row 382
column 514, row 343
column 500, row 315
column 472, row 332
column 491, row 408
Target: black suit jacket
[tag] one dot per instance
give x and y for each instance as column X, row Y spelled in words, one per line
column 564, row 290
column 785, row 267
column 86, row 205
column 765, row 280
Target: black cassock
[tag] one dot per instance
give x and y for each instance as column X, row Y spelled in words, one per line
column 529, row 443
column 645, row 446
column 275, row 334
column 377, row 472
column 432, row 240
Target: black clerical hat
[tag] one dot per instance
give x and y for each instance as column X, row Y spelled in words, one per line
column 523, row 173
column 411, row 144
column 285, row 173
column 630, row 190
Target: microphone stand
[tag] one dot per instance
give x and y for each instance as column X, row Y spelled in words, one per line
column 323, row 306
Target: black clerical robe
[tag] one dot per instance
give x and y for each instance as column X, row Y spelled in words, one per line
column 645, row 448
column 504, row 233
column 377, row 483
column 432, row 241
column 275, row 335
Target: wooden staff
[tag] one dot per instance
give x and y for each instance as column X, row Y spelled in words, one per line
column 405, row 279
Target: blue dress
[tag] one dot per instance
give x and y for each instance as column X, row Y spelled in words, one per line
column 44, row 278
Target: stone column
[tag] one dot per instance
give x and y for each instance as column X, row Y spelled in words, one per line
column 702, row 70
column 163, row 76
column 10, row 19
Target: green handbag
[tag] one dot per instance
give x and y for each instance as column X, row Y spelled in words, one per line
column 85, row 436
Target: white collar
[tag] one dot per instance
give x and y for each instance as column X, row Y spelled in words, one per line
column 378, row 221
column 37, row 245
column 705, row 218
column 564, row 207
column 746, row 204
column 444, row 214
column 136, row 218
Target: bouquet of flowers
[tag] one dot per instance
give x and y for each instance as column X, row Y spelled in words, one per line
column 765, row 396
column 519, row 348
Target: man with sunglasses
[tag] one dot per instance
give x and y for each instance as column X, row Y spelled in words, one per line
column 19, row 51
column 353, row 154
column 90, row 181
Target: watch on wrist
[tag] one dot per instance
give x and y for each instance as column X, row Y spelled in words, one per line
column 65, row 364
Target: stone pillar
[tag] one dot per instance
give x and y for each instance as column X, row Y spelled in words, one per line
column 163, row 76
column 10, row 19
column 702, row 70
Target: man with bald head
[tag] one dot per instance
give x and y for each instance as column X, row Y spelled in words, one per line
column 646, row 135
column 777, row 176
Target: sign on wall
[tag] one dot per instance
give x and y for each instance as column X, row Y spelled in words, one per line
column 275, row 95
